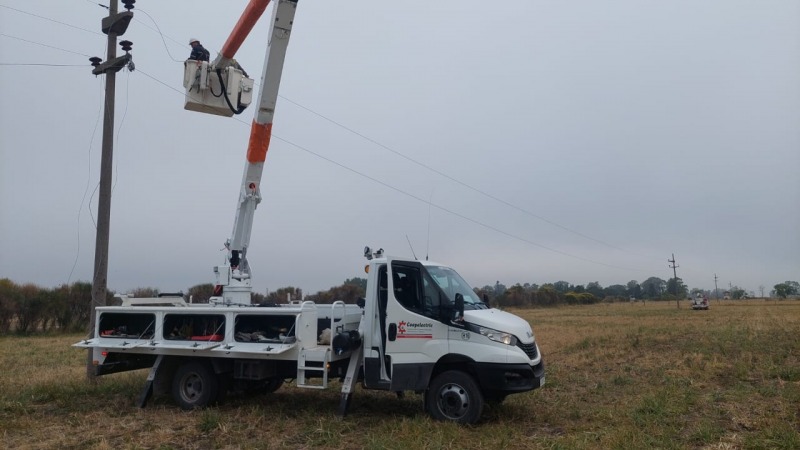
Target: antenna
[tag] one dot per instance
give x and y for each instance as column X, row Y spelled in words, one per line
column 412, row 248
column 428, row 244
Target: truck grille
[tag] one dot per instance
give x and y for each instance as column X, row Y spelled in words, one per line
column 529, row 349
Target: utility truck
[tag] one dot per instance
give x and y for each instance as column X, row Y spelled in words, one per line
column 420, row 326
column 700, row 301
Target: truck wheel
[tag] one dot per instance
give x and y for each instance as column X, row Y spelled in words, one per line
column 195, row 385
column 454, row 396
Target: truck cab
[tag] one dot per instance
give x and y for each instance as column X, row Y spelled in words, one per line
column 426, row 330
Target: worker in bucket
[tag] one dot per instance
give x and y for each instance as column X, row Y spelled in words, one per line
column 199, row 53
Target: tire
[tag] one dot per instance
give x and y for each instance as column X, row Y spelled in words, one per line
column 454, row 396
column 195, row 385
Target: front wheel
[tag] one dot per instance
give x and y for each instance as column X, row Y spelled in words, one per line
column 195, row 385
column 454, row 396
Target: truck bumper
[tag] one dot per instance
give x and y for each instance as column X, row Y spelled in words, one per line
column 509, row 378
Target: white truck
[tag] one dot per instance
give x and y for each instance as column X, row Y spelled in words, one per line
column 700, row 301
column 419, row 328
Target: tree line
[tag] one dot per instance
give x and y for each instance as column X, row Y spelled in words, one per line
column 27, row 308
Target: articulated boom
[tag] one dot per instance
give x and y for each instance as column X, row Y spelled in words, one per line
column 233, row 277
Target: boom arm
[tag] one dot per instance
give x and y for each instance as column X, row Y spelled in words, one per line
column 234, row 276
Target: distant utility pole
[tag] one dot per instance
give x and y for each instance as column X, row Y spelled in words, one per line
column 114, row 25
column 674, row 266
column 716, row 289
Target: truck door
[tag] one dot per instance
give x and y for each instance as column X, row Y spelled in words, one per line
column 415, row 336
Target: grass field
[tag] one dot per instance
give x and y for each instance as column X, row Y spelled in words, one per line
column 626, row 376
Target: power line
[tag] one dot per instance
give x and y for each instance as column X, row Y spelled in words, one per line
column 44, row 45
column 43, row 64
column 421, row 164
column 408, row 194
column 86, row 189
column 381, row 145
column 158, row 30
column 396, row 153
column 440, row 173
column 51, row 20
column 477, row 222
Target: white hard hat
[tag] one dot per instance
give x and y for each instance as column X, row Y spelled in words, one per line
column 193, row 40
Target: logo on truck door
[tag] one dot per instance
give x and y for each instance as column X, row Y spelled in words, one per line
column 414, row 330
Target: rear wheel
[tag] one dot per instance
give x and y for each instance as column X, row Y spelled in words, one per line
column 454, row 396
column 195, row 385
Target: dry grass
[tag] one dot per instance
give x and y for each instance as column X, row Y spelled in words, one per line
column 618, row 376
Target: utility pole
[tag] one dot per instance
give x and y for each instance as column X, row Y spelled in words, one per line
column 716, row 289
column 114, row 25
column 674, row 266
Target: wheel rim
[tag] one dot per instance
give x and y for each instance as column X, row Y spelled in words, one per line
column 453, row 401
column 191, row 387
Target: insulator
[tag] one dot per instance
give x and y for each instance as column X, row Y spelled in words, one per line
column 128, row 4
column 126, row 45
column 95, row 61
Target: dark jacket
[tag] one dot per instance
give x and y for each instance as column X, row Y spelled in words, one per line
column 199, row 53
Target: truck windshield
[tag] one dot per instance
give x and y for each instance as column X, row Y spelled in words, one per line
column 452, row 283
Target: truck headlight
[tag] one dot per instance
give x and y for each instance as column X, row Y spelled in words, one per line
column 498, row 336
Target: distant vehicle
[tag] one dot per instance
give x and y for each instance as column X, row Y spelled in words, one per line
column 700, row 302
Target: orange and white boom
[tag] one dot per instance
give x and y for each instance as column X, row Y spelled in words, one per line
column 234, row 275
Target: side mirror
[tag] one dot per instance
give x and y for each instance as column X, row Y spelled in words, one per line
column 361, row 302
column 459, row 304
column 486, row 300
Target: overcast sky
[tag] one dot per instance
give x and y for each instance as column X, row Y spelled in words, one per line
column 520, row 141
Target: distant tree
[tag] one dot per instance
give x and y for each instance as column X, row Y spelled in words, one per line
column 595, row 289
column 31, row 308
column 199, row 293
column 358, row 282
column 257, row 298
column 578, row 288
column 561, row 287
column 634, row 289
column 653, row 287
column 499, row 288
column 546, row 296
column 615, row 290
column 516, row 296
column 281, row 295
column 144, row 292
column 583, row 298
column 738, row 293
column 488, row 291
column 676, row 288
column 80, row 301
column 9, row 304
column 786, row 289
column 348, row 292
